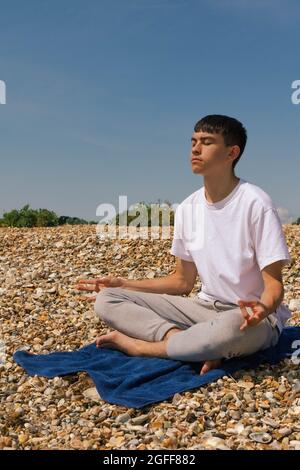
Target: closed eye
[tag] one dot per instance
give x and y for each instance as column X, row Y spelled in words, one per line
column 203, row 142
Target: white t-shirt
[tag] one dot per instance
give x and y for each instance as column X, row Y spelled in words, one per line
column 230, row 242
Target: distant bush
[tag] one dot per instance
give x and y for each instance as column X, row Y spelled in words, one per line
column 297, row 222
column 64, row 219
column 27, row 217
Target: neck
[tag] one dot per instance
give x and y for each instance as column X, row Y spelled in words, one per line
column 217, row 188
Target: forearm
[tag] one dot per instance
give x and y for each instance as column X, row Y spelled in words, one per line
column 171, row 284
column 272, row 297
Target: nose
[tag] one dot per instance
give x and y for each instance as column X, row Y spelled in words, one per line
column 197, row 149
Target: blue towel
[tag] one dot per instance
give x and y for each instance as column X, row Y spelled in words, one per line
column 139, row 381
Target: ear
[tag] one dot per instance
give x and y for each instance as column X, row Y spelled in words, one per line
column 235, row 151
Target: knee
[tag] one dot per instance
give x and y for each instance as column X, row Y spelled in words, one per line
column 236, row 342
column 225, row 339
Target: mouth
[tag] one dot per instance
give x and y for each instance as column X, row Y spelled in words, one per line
column 197, row 160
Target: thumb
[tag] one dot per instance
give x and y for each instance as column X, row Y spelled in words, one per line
column 104, row 280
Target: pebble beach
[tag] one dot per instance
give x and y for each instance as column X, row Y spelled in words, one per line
column 41, row 312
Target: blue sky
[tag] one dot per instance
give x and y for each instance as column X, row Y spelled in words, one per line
column 102, row 97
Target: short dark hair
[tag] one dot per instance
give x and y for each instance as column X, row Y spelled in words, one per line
column 232, row 130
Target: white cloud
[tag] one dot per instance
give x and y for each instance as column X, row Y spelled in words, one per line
column 285, row 216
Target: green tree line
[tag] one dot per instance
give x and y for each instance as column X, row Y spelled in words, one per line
column 28, row 217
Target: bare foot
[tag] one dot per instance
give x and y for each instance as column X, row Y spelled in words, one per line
column 120, row 341
column 209, row 365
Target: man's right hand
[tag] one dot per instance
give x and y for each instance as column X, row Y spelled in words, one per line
column 95, row 285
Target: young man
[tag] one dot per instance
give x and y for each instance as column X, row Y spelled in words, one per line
column 229, row 233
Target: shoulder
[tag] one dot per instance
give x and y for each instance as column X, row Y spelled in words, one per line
column 256, row 198
column 184, row 210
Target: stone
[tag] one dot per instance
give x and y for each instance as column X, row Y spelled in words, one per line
column 295, row 445
column 262, row 437
column 38, row 293
column 92, row 394
column 141, row 419
column 123, row 418
column 294, row 305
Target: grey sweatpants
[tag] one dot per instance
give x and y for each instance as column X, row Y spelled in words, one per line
column 210, row 330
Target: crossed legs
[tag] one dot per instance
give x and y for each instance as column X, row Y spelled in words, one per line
column 176, row 327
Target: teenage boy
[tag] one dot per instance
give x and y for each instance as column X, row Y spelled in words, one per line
column 229, row 233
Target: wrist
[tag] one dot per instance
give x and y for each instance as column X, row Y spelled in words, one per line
column 123, row 282
column 266, row 310
column 271, row 301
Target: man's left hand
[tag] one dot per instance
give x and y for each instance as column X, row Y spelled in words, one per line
column 258, row 312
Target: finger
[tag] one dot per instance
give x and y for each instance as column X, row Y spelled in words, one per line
column 86, row 288
column 247, row 308
column 245, row 313
column 249, row 305
column 244, row 305
column 254, row 321
column 88, row 281
column 93, row 281
column 90, row 287
column 88, row 298
column 96, row 280
column 241, row 304
column 244, row 325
